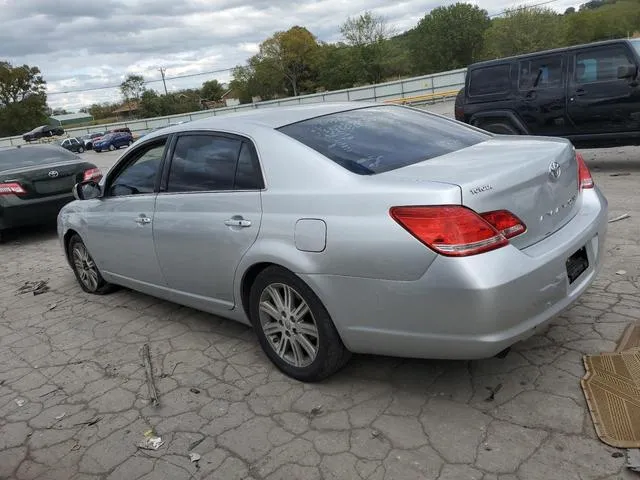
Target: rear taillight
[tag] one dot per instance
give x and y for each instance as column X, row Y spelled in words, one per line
column 453, row 231
column 92, row 174
column 12, row 188
column 505, row 222
column 584, row 175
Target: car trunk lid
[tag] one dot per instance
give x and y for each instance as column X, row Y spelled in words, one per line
column 46, row 180
column 535, row 179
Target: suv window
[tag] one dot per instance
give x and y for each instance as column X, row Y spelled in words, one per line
column 490, row 80
column 203, row 163
column 601, row 64
column 373, row 140
column 541, row 73
column 140, row 175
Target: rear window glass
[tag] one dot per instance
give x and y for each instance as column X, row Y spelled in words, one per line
column 373, row 140
column 33, row 156
column 490, row 80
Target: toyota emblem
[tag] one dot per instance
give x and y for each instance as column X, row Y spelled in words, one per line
column 53, row 173
column 555, row 170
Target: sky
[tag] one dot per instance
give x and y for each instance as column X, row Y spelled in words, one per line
column 80, row 45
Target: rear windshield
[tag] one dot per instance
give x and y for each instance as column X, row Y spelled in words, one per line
column 33, row 156
column 373, row 140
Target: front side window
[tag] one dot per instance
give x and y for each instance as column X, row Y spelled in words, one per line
column 139, row 177
column 490, row 80
column 203, row 163
column 600, row 65
column 541, row 73
column 374, row 140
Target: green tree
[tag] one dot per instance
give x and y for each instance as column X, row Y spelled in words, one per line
column 449, row 37
column 334, row 67
column 372, row 58
column 211, row 90
column 524, row 30
column 291, row 54
column 23, row 100
column 132, row 87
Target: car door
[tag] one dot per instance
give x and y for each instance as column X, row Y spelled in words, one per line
column 207, row 217
column 599, row 101
column 541, row 97
column 119, row 225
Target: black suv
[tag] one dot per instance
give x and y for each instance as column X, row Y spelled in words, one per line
column 589, row 94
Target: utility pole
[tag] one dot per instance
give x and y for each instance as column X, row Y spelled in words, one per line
column 162, row 70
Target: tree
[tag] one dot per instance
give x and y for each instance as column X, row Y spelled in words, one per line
column 132, row 87
column 524, row 30
column 449, row 37
column 212, row 90
column 371, row 55
column 59, row 111
column 291, row 53
column 23, row 100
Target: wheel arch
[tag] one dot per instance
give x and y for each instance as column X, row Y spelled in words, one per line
column 500, row 115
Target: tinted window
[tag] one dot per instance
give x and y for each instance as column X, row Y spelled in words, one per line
column 28, row 156
column 601, row 65
column 541, row 73
column 247, row 174
column 203, row 163
column 490, row 80
column 636, row 45
column 378, row 139
column 140, row 176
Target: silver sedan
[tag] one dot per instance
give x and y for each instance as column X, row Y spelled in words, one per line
column 339, row 228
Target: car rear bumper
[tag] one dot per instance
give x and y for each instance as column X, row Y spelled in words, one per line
column 15, row 212
column 472, row 307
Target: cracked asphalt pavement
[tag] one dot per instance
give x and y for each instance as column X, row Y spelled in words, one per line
column 74, row 402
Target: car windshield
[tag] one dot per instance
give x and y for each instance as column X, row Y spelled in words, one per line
column 33, row 156
column 636, row 45
column 373, row 140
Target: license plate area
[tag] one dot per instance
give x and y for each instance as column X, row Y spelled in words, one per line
column 577, row 264
column 58, row 185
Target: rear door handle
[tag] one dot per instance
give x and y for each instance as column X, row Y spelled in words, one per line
column 237, row 222
column 143, row 220
column 580, row 92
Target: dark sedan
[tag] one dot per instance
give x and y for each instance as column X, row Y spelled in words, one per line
column 42, row 132
column 36, row 181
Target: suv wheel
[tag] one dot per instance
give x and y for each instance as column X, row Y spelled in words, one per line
column 293, row 327
column 499, row 127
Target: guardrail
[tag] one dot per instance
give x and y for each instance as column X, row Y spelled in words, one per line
column 421, row 89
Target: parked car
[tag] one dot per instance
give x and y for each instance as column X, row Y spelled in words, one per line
column 73, row 144
column 337, row 228
column 112, row 141
column 90, row 138
column 41, row 132
column 589, row 94
column 36, row 181
column 121, row 130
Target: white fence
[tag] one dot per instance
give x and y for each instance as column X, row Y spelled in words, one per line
column 438, row 83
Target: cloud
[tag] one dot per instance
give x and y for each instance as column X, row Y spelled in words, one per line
column 82, row 45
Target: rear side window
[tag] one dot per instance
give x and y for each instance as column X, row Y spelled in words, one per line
column 373, row 140
column 490, row 80
column 541, row 73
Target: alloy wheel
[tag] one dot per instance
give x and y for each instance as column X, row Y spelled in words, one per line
column 289, row 325
column 85, row 266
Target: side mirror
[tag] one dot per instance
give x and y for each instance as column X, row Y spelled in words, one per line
column 86, row 190
column 627, row 71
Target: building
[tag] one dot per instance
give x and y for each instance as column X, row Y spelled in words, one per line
column 127, row 110
column 69, row 119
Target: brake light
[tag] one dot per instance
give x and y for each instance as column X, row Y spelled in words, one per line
column 451, row 230
column 92, row 174
column 505, row 222
column 585, row 180
column 12, row 188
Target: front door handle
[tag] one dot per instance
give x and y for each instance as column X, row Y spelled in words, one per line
column 143, row 220
column 237, row 222
column 580, row 92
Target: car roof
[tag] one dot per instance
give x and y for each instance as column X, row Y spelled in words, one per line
column 265, row 117
column 497, row 61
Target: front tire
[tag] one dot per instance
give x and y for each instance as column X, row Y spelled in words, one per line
column 294, row 328
column 85, row 269
column 81, row 150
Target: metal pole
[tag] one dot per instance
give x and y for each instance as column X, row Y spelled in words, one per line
column 162, row 70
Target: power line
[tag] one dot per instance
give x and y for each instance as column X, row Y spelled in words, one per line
column 522, row 7
column 108, row 87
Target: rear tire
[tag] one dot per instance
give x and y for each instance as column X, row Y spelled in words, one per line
column 499, row 127
column 294, row 328
column 81, row 150
column 112, row 147
column 86, row 270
